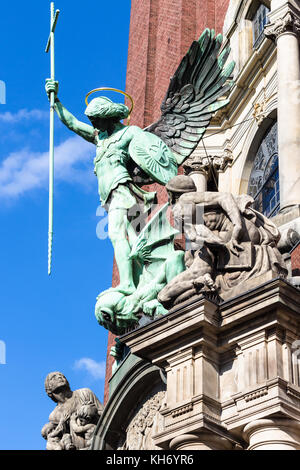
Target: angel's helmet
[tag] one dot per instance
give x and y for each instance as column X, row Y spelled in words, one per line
column 178, row 185
column 103, row 108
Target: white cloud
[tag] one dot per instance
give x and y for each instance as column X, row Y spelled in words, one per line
column 23, row 114
column 25, row 170
column 95, row 369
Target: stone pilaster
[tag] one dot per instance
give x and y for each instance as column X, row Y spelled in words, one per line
column 284, row 28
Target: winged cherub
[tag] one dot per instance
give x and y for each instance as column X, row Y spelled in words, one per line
column 193, row 95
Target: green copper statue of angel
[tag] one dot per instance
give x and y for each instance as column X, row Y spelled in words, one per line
column 127, row 154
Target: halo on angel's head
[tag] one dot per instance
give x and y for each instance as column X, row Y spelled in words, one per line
column 112, row 89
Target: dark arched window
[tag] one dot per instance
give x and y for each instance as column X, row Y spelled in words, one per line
column 264, row 178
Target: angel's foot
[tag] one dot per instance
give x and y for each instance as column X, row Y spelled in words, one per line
column 150, row 306
column 154, row 307
column 160, row 310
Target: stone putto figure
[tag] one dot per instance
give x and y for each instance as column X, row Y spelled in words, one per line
column 73, row 421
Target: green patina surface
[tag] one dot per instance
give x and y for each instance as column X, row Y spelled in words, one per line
column 155, row 263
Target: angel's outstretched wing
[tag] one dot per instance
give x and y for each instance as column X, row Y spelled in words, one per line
column 194, row 94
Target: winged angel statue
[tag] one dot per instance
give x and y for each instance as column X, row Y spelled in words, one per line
column 128, row 156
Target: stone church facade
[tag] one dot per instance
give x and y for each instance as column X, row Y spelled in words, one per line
column 220, row 376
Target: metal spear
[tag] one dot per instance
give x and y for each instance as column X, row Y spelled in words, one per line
column 50, row 45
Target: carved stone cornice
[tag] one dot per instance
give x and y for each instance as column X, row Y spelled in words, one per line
column 288, row 22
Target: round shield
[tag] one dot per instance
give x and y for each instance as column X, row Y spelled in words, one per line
column 153, row 156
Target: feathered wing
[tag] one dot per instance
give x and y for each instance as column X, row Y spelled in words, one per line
column 194, row 94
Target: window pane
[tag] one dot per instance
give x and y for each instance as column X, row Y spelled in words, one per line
column 264, row 178
column 258, row 23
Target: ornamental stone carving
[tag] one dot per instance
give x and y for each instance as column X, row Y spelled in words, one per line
column 203, row 164
column 146, row 421
column 258, row 112
column 288, row 23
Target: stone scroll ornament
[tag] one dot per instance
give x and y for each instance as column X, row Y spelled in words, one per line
column 73, row 421
column 127, row 157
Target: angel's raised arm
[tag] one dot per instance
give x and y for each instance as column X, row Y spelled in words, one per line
column 81, row 128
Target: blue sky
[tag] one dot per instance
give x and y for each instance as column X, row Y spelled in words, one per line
column 48, row 323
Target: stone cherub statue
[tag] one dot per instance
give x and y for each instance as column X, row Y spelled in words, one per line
column 229, row 241
column 72, row 422
column 127, row 156
column 82, row 424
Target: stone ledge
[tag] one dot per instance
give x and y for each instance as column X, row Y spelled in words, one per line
column 172, row 329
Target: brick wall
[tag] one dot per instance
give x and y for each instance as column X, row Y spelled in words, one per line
column 295, row 260
column 161, row 31
column 110, row 342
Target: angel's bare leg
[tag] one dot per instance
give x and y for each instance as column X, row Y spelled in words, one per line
column 117, row 230
column 132, row 236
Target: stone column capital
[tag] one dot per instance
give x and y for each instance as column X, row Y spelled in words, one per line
column 195, row 165
column 203, row 164
column 284, row 20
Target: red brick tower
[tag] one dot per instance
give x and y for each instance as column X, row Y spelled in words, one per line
column 161, row 32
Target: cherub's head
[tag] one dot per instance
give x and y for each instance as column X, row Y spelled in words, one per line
column 87, row 414
column 104, row 113
column 179, row 185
